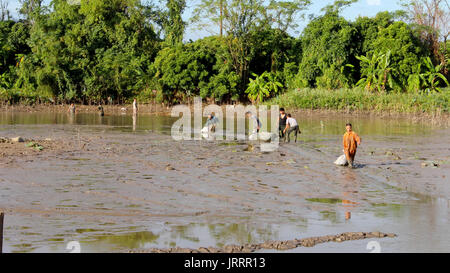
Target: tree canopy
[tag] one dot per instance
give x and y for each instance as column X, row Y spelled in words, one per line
column 93, row 50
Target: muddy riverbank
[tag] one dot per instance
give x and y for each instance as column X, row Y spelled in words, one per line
column 120, row 183
column 159, row 109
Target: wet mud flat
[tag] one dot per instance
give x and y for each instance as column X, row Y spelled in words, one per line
column 116, row 189
column 12, row 148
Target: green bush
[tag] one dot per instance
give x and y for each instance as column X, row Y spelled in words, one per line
column 358, row 99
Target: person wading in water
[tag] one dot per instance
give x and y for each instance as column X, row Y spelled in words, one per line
column 282, row 124
column 212, row 122
column 100, row 110
column 255, row 121
column 135, row 107
column 292, row 126
column 71, row 109
column 351, row 140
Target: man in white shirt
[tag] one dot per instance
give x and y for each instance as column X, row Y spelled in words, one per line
column 291, row 126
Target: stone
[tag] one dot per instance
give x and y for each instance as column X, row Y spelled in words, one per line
column 290, row 245
column 249, row 148
column 228, row 249
column 203, row 250
column 212, row 250
column 17, row 139
column 267, row 245
column 247, row 250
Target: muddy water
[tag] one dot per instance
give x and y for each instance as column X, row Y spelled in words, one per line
column 123, row 183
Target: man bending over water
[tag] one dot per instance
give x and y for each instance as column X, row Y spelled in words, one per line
column 291, row 126
column 256, row 123
column 212, row 122
column 351, row 141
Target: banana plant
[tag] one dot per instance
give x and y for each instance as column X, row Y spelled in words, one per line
column 385, row 72
column 415, row 81
column 263, row 86
column 5, row 81
column 368, row 72
column 432, row 76
column 428, row 80
column 376, row 72
column 272, row 83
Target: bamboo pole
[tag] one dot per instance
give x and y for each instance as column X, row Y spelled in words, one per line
column 1, row 231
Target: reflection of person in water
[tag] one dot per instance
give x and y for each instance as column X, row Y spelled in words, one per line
column 350, row 141
column 350, row 186
column 71, row 112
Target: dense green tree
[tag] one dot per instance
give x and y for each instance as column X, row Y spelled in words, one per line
column 178, row 69
column 173, row 23
column 406, row 50
column 5, row 47
column 327, row 47
column 273, row 49
column 240, row 18
column 13, row 48
column 91, row 51
column 196, row 68
column 368, row 29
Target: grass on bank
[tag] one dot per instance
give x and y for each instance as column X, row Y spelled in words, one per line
column 361, row 100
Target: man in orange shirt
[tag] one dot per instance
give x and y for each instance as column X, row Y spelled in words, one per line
column 351, row 141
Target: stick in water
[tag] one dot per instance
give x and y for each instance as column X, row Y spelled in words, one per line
column 1, row 231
